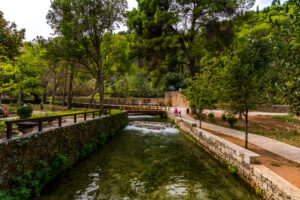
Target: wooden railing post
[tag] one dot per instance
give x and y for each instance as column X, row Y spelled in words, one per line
column 93, row 115
column 59, row 121
column 9, row 130
column 84, row 116
column 40, row 125
column 75, row 118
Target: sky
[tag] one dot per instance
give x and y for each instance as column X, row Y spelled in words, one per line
column 31, row 14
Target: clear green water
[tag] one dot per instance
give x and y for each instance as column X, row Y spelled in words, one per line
column 140, row 163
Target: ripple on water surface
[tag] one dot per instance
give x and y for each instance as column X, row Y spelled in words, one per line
column 148, row 160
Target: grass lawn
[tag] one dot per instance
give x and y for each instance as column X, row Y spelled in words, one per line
column 282, row 128
column 47, row 107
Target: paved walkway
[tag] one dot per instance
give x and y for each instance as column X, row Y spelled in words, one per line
column 251, row 113
column 66, row 122
column 280, row 148
column 220, row 112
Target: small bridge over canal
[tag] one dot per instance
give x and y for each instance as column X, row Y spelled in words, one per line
column 141, row 109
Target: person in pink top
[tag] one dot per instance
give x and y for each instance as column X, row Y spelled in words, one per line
column 176, row 111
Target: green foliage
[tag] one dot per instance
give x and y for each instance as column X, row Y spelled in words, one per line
column 86, row 150
column 83, row 25
column 232, row 121
column 24, row 112
column 232, row 169
column 12, row 109
column 173, row 79
column 200, row 116
column 211, row 117
column 287, row 119
column 286, row 44
column 2, row 125
column 172, row 121
column 5, row 195
column 32, row 183
column 224, row 118
column 10, row 39
column 166, row 47
column 258, row 191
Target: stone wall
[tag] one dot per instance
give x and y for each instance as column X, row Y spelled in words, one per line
column 128, row 101
column 176, row 99
column 262, row 179
column 39, row 157
column 274, row 108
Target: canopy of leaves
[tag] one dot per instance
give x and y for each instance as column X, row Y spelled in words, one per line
column 10, row 39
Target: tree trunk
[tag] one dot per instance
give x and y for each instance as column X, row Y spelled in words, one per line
column 100, row 80
column 240, row 115
column 101, row 91
column 19, row 98
column 44, row 97
column 54, row 94
column 192, row 68
column 246, row 128
column 64, row 91
column 200, row 122
column 93, row 94
column 70, row 92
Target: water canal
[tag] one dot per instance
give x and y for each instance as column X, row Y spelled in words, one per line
column 148, row 160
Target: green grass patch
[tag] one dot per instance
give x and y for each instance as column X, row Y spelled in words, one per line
column 116, row 111
column 232, row 169
column 287, row 118
column 275, row 164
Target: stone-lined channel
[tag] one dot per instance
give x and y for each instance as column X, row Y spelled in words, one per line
column 148, row 160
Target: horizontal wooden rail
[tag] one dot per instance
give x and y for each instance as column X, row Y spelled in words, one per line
column 40, row 120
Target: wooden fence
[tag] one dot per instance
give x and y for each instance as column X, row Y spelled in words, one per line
column 39, row 121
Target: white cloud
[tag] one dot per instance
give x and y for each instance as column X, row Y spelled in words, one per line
column 31, row 15
column 264, row 3
column 28, row 14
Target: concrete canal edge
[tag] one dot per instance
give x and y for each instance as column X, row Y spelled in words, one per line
column 264, row 181
column 29, row 163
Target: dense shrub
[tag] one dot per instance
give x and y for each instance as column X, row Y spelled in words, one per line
column 200, row 116
column 1, row 113
column 24, row 112
column 232, row 169
column 231, row 121
column 211, row 117
column 224, row 118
